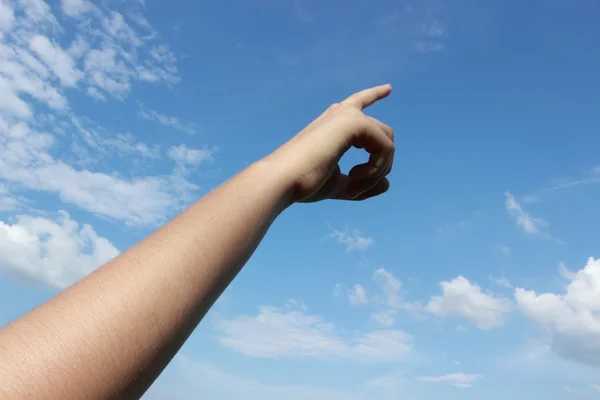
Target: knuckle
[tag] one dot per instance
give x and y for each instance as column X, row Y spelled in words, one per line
column 392, row 134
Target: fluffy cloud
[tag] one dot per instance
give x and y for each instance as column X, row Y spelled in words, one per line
column 571, row 319
column 352, row 241
column 459, row 380
column 292, row 332
column 57, row 253
column 460, row 298
column 529, row 224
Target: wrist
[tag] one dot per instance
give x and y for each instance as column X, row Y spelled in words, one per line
column 272, row 177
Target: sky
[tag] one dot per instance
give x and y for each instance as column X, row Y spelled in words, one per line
column 476, row 276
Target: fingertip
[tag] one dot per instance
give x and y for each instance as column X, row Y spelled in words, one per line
column 387, row 87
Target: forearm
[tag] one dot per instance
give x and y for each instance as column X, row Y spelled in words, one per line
column 111, row 334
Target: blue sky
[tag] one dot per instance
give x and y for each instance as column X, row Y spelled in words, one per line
column 475, row 276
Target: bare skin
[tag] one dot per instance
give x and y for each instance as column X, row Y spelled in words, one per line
column 110, row 335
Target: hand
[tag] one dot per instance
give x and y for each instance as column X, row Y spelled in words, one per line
column 312, row 156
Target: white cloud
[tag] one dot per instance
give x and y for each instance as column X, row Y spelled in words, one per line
column 358, row 295
column 78, row 48
column 193, row 377
column 390, row 297
column 505, row 283
column 11, row 103
column 186, row 156
column 459, row 380
column 7, row 200
column 595, row 387
column 116, row 26
column 390, row 287
column 25, row 160
column 462, row 299
column 433, row 28
column 172, row 122
column 385, row 318
column 45, row 151
column 77, row 8
column 276, row 333
column 338, row 289
column 7, row 17
column 57, row 253
column 59, row 61
column 352, row 241
column 37, row 14
column 571, row 319
column 95, row 94
column 121, row 58
column 529, row 224
column 106, row 71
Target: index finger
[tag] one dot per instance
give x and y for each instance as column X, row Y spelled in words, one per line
column 367, row 97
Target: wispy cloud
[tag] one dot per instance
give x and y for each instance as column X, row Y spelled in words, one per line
column 590, row 178
column 187, row 156
column 215, row 382
column 503, row 282
column 529, row 224
column 168, row 121
column 571, row 184
column 433, row 28
column 358, row 295
column 52, row 150
column 581, row 393
column 292, row 332
column 506, row 250
column 353, row 240
column 386, row 298
column 459, row 380
column 390, row 297
column 429, row 46
column 524, row 220
column 461, row 225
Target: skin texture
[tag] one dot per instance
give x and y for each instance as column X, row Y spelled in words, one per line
column 110, row 335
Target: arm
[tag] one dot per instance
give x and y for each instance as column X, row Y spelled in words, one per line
column 111, row 334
